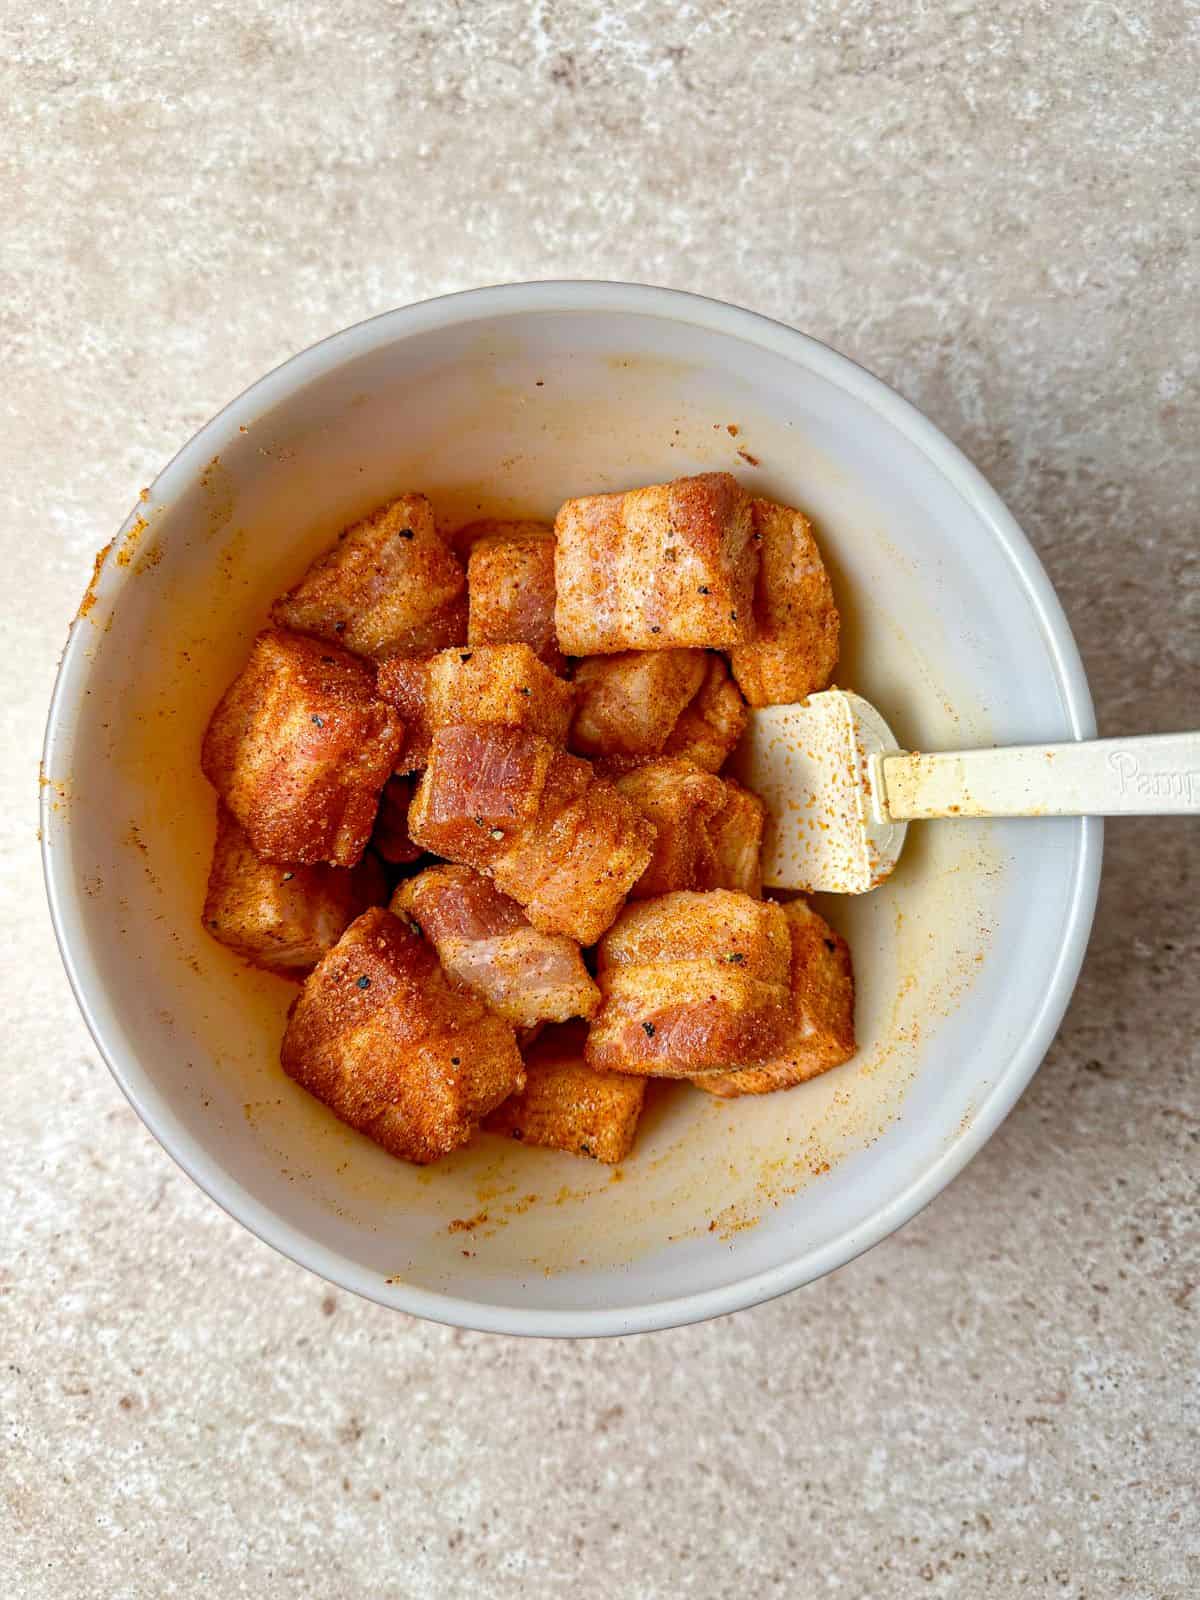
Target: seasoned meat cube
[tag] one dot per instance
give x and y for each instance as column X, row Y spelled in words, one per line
column 510, row 585
column 561, row 841
column 733, row 859
column 282, row 918
column 673, row 564
column 390, row 837
column 504, row 684
column 626, row 705
column 639, row 704
column 486, row 941
column 795, row 645
column 822, row 1012
column 709, row 829
column 680, row 801
column 299, row 748
column 710, row 726
column 690, row 983
column 389, row 585
column 482, row 787
column 463, row 540
column 394, row 1047
column 574, row 868
column 403, row 681
column 565, row 1105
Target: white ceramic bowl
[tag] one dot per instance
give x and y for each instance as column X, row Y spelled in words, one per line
column 508, row 400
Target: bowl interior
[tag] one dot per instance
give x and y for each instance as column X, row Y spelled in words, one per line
column 510, row 410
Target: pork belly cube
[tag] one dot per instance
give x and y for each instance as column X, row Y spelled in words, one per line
column 481, row 789
column 573, row 868
column 282, row 918
column 486, row 941
column 709, row 829
column 553, row 836
column 733, row 858
column 713, row 721
column 690, row 983
column 392, row 1046
column 795, row 645
column 510, row 587
column 626, row 705
column 565, row 1105
column 299, row 748
column 821, row 1034
column 463, row 540
column 670, row 565
column 386, row 585
column 680, row 801
column 403, row 681
column 390, row 837
column 504, row 684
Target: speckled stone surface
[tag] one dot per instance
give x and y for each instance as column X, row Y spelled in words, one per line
column 994, row 207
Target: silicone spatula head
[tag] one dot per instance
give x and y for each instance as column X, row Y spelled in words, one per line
column 816, row 767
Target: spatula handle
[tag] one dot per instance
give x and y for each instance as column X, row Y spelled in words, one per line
column 1156, row 775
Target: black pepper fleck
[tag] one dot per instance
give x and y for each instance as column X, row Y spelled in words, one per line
column 648, row 1028
column 319, row 722
column 406, row 533
column 364, row 982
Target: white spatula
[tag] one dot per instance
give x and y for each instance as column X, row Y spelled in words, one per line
column 840, row 792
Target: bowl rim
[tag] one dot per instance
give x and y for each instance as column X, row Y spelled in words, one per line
column 599, row 296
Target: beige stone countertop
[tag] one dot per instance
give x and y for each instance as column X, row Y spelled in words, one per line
column 995, row 207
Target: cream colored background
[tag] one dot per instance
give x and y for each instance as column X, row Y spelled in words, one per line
column 995, row 208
